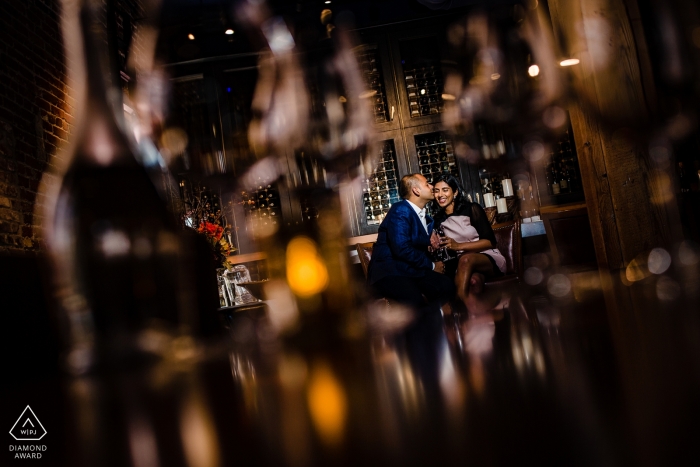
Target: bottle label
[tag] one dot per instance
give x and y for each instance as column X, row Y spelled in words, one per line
column 555, row 188
column 564, row 184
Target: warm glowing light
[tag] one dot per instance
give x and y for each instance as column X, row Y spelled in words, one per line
column 533, row 276
column 559, row 285
column 570, row 62
column 190, row 36
column 637, row 269
column 688, row 253
column 229, row 31
column 533, row 151
column 495, row 76
column 422, row 92
column 663, row 187
column 327, row 404
column 367, row 94
column 114, row 243
column 307, row 274
column 173, row 141
column 696, row 37
column 533, row 71
column 659, row 261
column 448, row 97
column 198, row 434
column 667, row 289
column 328, row 1
column 554, row 117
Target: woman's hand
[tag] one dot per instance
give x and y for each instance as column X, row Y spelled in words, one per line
column 450, row 243
column 434, row 240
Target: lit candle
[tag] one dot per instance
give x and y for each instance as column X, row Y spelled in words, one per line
column 507, row 187
column 502, row 205
column 488, row 200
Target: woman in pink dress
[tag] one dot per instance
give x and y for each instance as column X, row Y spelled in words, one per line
column 467, row 235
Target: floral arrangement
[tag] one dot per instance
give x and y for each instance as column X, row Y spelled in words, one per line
column 218, row 241
column 203, row 214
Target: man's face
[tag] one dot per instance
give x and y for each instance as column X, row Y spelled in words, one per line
column 425, row 189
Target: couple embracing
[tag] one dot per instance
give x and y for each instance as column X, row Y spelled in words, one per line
column 402, row 266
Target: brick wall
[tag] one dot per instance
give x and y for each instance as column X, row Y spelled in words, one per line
column 36, row 114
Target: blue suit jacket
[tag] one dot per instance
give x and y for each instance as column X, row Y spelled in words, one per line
column 402, row 245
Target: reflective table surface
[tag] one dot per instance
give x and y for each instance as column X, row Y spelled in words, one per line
column 592, row 369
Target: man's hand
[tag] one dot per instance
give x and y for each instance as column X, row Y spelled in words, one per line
column 434, row 240
column 439, row 267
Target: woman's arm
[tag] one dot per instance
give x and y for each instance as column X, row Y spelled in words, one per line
column 481, row 223
column 467, row 247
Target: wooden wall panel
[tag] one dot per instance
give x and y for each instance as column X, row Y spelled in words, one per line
column 628, row 201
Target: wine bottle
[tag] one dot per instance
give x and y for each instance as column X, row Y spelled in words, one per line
column 556, row 188
column 115, row 248
column 564, row 180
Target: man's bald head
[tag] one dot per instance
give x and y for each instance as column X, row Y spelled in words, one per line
column 407, row 183
column 416, row 189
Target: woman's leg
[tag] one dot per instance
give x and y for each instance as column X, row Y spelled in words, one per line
column 469, row 264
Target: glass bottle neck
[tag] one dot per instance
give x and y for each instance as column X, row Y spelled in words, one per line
column 104, row 141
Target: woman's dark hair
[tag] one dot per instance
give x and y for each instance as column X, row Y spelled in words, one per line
column 452, row 182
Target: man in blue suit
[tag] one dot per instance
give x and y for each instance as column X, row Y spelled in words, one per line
column 401, row 267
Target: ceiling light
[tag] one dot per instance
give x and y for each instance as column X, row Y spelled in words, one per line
column 328, row 1
column 229, row 31
column 569, row 62
column 533, row 71
column 495, row 76
column 190, row 36
column 448, row 97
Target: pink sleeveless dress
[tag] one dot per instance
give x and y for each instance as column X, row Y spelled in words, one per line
column 461, row 230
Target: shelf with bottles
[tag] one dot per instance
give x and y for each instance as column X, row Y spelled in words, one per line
column 370, row 64
column 308, row 209
column 435, row 156
column 380, row 189
column 419, row 75
column 261, row 206
column 424, row 87
column 561, row 171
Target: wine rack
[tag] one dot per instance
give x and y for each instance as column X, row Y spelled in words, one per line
column 308, row 209
column 262, row 207
column 424, row 87
column 435, row 156
column 380, row 190
column 562, row 171
column 368, row 59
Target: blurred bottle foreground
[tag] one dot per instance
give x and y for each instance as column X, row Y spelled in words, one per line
column 125, row 282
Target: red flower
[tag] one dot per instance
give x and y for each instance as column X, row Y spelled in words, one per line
column 211, row 230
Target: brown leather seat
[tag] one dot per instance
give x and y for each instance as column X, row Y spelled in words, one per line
column 509, row 244
column 364, row 251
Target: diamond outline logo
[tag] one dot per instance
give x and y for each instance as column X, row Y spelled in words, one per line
column 30, row 422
